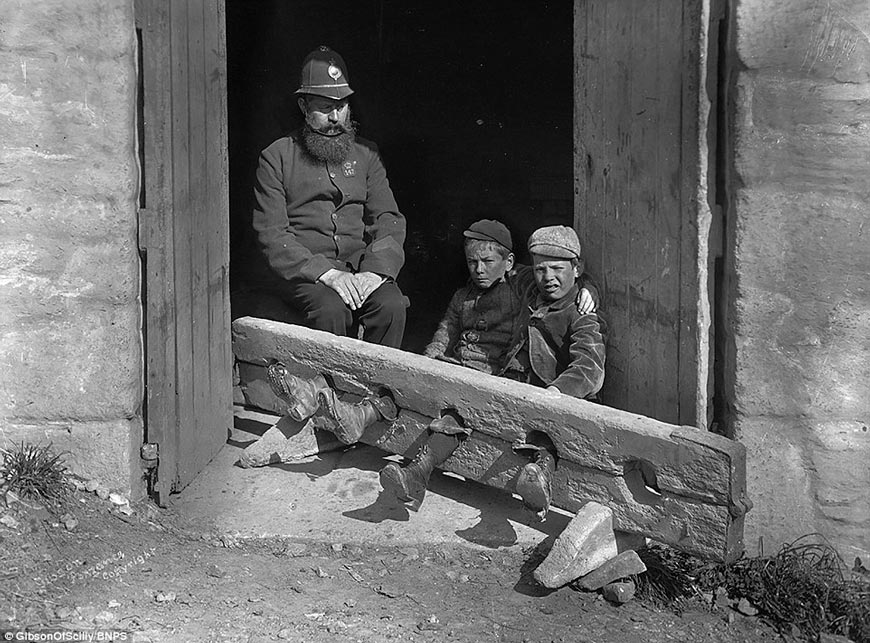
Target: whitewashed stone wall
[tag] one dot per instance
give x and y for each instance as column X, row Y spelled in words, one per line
column 70, row 347
column 800, row 227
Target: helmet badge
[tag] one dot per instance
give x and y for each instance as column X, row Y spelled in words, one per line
column 334, row 72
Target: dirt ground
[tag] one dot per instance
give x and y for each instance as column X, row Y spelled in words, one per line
column 157, row 578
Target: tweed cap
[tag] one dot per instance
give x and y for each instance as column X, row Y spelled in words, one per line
column 555, row 241
column 490, row 230
column 324, row 74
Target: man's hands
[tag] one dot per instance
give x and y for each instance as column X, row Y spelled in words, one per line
column 367, row 283
column 345, row 285
column 585, row 303
column 353, row 289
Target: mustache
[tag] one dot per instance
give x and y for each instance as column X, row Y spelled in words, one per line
column 334, row 129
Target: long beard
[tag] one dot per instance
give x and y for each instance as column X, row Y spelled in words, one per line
column 328, row 149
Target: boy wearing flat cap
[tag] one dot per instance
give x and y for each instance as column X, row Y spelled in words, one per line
column 557, row 346
column 482, row 321
column 477, row 327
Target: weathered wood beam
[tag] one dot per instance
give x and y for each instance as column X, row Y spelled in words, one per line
column 677, row 485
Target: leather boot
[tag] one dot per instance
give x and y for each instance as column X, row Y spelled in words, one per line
column 348, row 421
column 300, row 395
column 409, row 483
column 535, row 483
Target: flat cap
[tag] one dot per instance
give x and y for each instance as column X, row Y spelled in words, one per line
column 555, row 241
column 490, row 230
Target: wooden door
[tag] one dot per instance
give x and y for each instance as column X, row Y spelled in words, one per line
column 184, row 235
column 641, row 211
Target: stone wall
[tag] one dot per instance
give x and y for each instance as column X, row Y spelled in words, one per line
column 70, row 346
column 799, row 220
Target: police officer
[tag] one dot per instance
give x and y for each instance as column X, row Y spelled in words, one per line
column 325, row 217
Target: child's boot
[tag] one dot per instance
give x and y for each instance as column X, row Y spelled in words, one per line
column 408, row 483
column 535, row 483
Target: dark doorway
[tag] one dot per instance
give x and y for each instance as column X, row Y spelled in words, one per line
column 469, row 102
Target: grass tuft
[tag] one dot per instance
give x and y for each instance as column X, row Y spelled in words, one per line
column 670, row 578
column 804, row 584
column 34, row 472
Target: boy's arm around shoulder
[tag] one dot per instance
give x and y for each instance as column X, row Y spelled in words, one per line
column 588, row 283
column 522, row 278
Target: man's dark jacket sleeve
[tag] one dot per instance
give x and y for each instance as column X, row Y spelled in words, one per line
column 384, row 224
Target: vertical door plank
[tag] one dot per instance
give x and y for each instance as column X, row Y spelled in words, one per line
column 589, row 152
column 192, row 444
column 694, row 298
column 182, row 220
column 586, row 140
column 217, row 231
column 645, row 342
column 616, row 123
column 673, row 234
column 225, row 340
column 159, row 300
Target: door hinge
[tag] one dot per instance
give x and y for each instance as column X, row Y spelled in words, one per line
column 150, row 455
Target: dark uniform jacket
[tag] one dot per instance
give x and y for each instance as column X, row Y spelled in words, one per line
column 311, row 216
column 557, row 346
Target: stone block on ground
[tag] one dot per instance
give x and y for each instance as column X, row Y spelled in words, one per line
column 619, row 592
column 586, row 543
column 288, row 441
column 623, row 565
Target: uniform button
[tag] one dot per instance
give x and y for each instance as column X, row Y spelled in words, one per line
column 332, row 175
column 335, row 237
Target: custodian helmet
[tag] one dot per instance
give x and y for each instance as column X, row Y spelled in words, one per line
column 324, row 74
